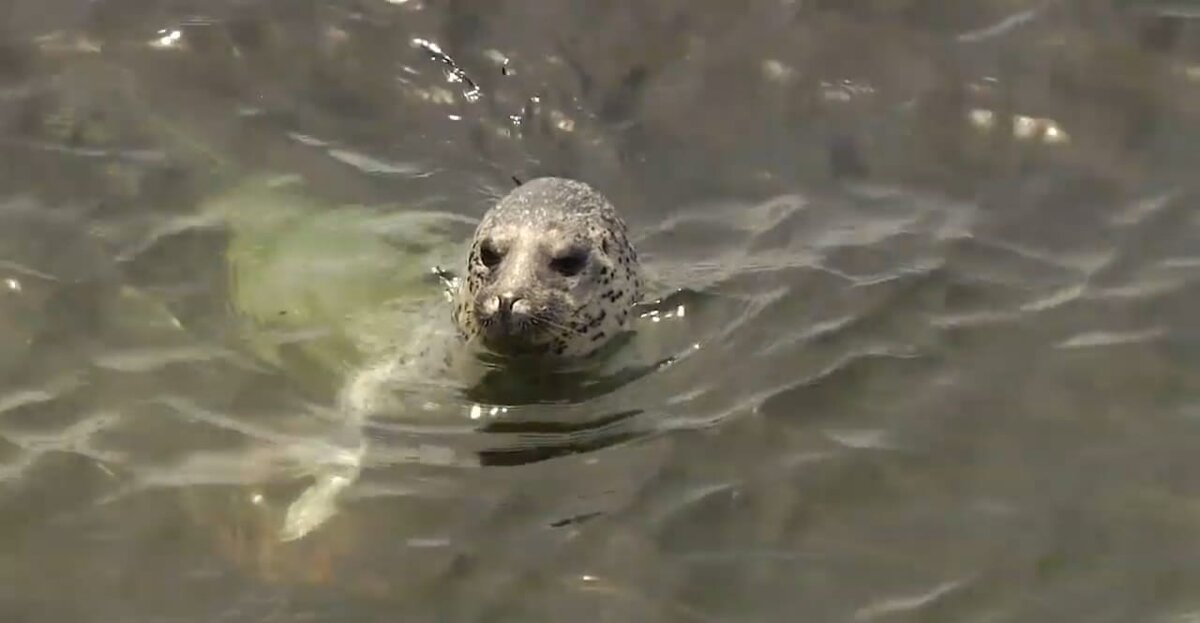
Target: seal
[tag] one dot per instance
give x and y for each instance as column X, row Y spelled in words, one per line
column 551, row 273
column 548, row 276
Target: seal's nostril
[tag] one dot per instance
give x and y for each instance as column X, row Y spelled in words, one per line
column 506, row 302
column 491, row 305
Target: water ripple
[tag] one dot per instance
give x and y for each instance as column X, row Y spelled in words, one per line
column 1095, row 339
column 20, row 398
column 150, row 359
column 898, row 605
column 852, row 398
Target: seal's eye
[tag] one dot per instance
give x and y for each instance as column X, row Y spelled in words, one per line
column 489, row 255
column 570, row 264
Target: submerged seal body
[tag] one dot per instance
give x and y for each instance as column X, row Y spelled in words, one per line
column 550, row 274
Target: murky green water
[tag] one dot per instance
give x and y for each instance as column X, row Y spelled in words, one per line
column 930, row 287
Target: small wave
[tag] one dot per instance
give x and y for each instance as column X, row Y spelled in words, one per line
column 897, row 605
column 367, row 164
column 16, row 399
column 150, row 359
column 1112, row 338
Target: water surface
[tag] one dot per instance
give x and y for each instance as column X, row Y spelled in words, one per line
column 929, row 279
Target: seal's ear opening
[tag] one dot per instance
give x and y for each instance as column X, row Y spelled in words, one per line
column 516, row 180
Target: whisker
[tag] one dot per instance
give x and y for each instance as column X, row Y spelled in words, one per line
column 547, row 322
column 489, row 192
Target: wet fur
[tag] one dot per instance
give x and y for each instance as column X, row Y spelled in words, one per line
column 572, row 316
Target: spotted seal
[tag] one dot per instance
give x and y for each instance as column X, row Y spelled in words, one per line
column 550, row 276
column 551, row 273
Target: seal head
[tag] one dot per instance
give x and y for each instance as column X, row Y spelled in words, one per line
column 550, row 272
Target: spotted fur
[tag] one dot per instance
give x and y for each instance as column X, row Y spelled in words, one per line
column 570, row 315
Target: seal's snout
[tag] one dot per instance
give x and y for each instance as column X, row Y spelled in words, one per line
column 508, row 324
column 509, row 304
column 512, row 308
column 509, row 313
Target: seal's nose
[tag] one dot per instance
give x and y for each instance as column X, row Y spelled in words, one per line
column 506, row 302
column 509, row 308
column 508, row 314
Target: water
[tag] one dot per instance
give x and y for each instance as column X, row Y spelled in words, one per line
column 937, row 360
